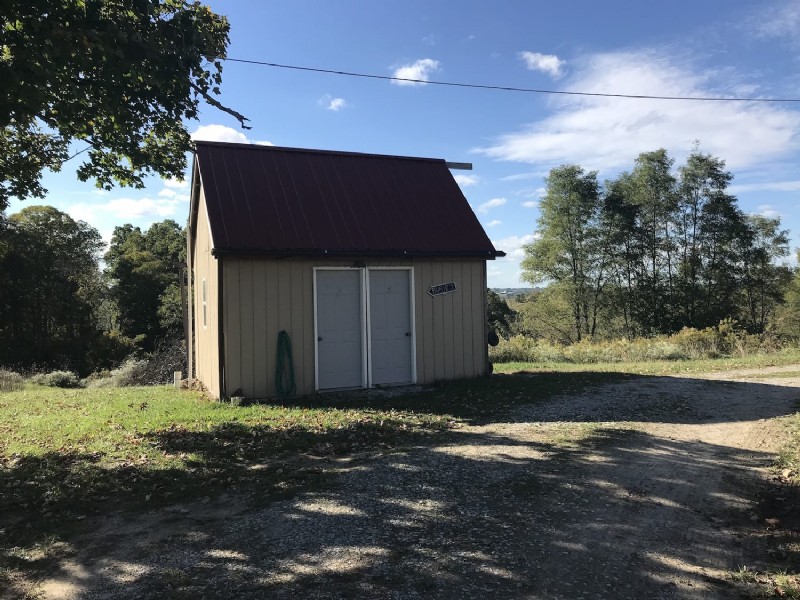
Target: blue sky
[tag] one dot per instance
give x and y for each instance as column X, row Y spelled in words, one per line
column 709, row 48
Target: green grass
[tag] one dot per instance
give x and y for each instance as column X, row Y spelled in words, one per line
column 662, row 367
column 66, row 453
column 789, row 457
column 771, row 584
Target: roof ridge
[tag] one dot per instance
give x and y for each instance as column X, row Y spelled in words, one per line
column 270, row 147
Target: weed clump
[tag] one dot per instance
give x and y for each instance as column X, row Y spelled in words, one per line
column 10, row 381
column 59, row 379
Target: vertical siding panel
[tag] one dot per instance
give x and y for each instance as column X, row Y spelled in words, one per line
column 427, row 324
column 233, row 326
column 296, row 322
column 448, row 320
column 438, row 325
column 284, row 320
column 457, row 318
column 305, row 346
column 271, row 313
column 212, row 331
column 467, row 319
column 259, row 330
column 246, row 325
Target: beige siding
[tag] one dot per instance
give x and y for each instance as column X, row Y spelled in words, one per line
column 206, row 342
column 263, row 297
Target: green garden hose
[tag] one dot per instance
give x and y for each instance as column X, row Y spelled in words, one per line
column 284, row 367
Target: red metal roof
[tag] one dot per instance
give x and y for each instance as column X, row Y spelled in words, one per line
column 289, row 201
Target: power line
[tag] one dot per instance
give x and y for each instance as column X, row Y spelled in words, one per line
column 505, row 88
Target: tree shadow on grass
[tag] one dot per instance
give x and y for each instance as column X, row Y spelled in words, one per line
column 578, row 397
column 619, row 514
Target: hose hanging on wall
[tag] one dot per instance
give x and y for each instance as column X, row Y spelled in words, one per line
column 284, row 367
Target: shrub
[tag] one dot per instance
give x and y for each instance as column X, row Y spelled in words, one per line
column 128, row 373
column 156, row 368
column 724, row 340
column 60, row 379
column 10, row 381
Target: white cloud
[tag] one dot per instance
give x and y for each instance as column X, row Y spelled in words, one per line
column 546, row 63
column 493, row 203
column 608, row 133
column 167, row 193
column 513, row 246
column 222, row 133
column 219, row 133
column 465, row 180
column 530, row 204
column 429, row 40
column 179, row 184
column 330, row 103
column 766, row 186
column 494, row 223
column 767, row 210
column 420, row 71
column 126, row 209
column 777, row 20
column 524, row 176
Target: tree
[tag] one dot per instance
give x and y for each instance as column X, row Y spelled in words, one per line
column 121, row 76
column 51, row 286
column 143, row 269
column 650, row 189
column 500, row 315
column 765, row 280
column 571, row 249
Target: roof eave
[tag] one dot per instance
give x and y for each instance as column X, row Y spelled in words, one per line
column 323, row 253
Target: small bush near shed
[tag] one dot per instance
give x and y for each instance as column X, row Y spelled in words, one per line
column 10, row 381
column 60, row 379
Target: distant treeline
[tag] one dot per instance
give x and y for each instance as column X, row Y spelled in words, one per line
column 651, row 252
column 59, row 309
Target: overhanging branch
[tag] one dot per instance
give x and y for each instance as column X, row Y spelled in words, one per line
column 218, row 105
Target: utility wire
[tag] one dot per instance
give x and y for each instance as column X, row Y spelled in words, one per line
column 505, row 88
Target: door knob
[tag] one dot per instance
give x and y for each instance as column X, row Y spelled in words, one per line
column 319, row 339
column 408, row 334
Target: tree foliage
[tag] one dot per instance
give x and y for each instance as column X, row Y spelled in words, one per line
column 654, row 251
column 501, row 317
column 50, row 284
column 121, row 76
column 143, row 268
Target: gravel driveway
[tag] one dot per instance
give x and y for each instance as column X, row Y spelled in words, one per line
column 647, row 488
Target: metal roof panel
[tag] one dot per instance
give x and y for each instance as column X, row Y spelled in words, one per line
column 272, row 200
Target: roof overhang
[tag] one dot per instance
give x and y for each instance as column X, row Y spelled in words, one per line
column 321, row 253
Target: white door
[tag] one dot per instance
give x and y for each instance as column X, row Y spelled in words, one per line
column 390, row 327
column 339, row 329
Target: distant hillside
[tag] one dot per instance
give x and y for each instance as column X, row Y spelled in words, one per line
column 511, row 292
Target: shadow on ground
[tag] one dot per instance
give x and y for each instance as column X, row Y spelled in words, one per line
column 580, row 397
column 472, row 513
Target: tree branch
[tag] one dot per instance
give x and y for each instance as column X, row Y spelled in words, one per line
column 218, row 105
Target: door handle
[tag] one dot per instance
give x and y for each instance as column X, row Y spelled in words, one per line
column 408, row 334
column 319, row 339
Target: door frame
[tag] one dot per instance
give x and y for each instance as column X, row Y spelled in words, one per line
column 362, row 311
column 412, row 317
column 366, row 342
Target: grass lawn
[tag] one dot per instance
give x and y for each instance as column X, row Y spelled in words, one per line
column 66, row 455
column 661, row 367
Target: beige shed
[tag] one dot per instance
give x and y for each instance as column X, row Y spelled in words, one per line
column 374, row 266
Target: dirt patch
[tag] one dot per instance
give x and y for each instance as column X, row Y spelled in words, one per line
column 646, row 488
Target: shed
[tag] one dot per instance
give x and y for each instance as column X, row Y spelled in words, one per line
column 374, row 265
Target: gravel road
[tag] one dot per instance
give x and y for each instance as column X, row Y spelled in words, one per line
column 647, row 488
